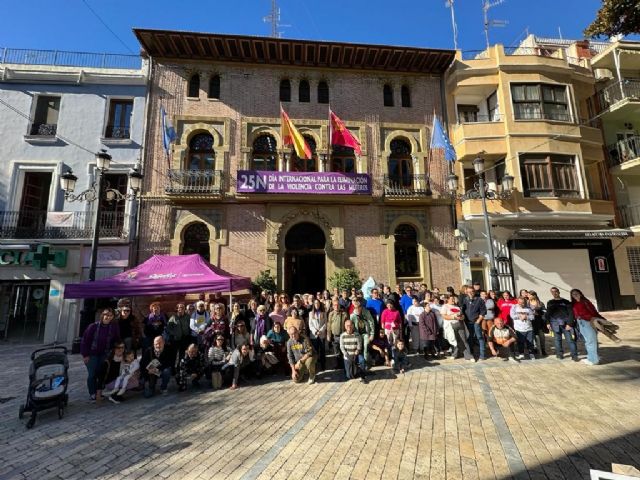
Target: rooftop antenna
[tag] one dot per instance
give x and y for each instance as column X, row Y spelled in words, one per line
column 486, row 6
column 449, row 4
column 274, row 19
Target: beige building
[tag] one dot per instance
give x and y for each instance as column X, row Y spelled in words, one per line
column 616, row 105
column 230, row 190
column 525, row 111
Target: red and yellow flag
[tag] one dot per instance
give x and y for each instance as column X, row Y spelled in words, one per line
column 291, row 136
column 340, row 134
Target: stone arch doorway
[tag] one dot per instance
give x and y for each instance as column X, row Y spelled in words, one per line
column 305, row 259
column 196, row 240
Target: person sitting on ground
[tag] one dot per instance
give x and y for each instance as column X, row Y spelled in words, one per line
column 218, row 355
column 502, row 340
column 109, row 370
column 351, row 348
column 155, row 323
column 400, row 361
column 380, row 350
column 278, row 338
column 240, row 364
column 301, row 356
column 157, row 362
column 191, row 368
column 128, row 378
column 241, row 336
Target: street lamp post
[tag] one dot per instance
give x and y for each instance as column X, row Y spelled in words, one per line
column 99, row 192
column 481, row 191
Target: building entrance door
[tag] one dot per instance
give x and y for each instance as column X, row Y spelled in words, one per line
column 305, row 259
column 23, row 311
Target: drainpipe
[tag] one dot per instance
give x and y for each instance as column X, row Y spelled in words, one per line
column 145, row 133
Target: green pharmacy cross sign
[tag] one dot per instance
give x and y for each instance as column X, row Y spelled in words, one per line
column 39, row 258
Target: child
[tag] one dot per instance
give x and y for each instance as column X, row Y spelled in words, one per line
column 400, row 361
column 128, row 378
column 191, row 367
column 522, row 317
column 218, row 356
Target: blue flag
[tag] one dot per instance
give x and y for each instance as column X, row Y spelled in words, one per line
column 439, row 139
column 168, row 132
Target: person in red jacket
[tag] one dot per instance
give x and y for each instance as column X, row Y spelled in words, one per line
column 583, row 312
column 504, row 306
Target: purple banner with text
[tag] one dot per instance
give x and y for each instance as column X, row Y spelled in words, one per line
column 329, row 183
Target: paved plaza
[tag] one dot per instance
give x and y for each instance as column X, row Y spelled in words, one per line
column 538, row 419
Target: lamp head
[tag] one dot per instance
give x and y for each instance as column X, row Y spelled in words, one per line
column 103, row 160
column 68, row 181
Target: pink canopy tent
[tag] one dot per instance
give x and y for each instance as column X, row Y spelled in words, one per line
column 162, row 275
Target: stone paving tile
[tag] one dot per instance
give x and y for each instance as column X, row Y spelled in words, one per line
column 545, row 419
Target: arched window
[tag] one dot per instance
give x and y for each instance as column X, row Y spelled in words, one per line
column 406, row 251
column 264, row 155
column 201, row 155
column 196, row 240
column 387, row 94
column 400, row 169
column 194, row 86
column 214, row 87
column 323, row 92
column 304, row 164
column 304, row 91
column 285, row 90
column 405, row 96
column 343, row 159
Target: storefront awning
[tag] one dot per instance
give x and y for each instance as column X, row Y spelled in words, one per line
column 572, row 233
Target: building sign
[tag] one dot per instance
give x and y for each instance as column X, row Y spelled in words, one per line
column 601, row 264
column 108, row 256
column 327, row 183
column 38, row 258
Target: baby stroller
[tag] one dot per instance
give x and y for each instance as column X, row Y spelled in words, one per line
column 48, row 380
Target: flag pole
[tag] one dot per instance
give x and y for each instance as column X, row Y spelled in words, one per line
column 328, row 158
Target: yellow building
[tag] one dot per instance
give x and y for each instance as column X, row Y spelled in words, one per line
column 617, row 106
column 525, row 110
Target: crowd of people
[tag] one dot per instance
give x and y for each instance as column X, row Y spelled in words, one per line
column 214, row 344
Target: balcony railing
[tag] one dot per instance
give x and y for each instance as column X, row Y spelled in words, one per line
column 475, row 54
column 69, row 59
column 495, row 117
column 522, row 114
column 614, row 93
column 416, row 185
column 623, row 151
column 60, row 225
column 116, row 132
column 630, row 215
column 44, row 129
column 194, row 182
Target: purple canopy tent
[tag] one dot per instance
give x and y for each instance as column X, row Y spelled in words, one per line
column 162, row 274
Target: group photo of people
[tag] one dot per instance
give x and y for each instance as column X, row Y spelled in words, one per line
column 212, row 343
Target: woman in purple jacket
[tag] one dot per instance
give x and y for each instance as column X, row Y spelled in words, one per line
column 96, row 343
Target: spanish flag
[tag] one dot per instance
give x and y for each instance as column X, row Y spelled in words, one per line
column 340, row 134
column 291, row 136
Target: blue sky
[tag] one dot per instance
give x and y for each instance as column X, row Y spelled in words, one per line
column 70, row 25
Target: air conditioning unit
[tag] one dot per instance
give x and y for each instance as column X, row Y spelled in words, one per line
column 602, row 74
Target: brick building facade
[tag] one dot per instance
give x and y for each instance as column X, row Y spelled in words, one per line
column 223, row 94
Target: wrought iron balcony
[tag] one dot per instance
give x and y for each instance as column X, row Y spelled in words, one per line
column 60, row 225
column 198, row 182
column 624, row 150
column 44, row 129
column 630, row 215
column 116, row 132
column 614, row 93
column 406, row 186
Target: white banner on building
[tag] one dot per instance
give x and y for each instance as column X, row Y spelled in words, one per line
column 60, row 219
